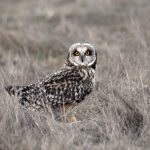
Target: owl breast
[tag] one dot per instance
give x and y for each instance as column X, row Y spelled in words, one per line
column 72, row 86
column 87, row 83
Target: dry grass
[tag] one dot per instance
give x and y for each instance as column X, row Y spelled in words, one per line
column 34, row 38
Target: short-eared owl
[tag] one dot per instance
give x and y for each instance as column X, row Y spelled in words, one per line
column 66, row 87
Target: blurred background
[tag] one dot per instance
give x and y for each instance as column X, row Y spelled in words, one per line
column 34, row 39
column 46, row 28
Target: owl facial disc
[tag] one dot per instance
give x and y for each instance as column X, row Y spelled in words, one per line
column 82, row 54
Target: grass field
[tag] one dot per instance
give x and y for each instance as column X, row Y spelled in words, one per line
column 34, row 39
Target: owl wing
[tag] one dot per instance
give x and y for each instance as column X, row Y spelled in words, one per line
column 66, row 86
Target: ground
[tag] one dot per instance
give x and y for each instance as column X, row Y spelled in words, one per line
column 34, row 39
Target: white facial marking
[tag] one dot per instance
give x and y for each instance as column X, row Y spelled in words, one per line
column 82, row 59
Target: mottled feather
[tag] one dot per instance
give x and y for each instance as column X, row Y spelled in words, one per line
column 70, row 85
column 65, row 86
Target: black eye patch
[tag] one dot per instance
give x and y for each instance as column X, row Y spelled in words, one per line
column 76, row 53
column 88, row 53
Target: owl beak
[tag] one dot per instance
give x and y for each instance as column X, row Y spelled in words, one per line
column 82, row 58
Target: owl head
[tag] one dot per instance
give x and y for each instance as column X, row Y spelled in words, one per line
column 82, row 54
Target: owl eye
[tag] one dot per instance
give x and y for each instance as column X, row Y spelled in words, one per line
column 76, row 53
column 88, row 53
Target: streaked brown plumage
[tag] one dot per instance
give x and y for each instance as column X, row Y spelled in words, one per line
column 67, row 87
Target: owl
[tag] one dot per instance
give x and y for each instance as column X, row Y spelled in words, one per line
column 64, row 89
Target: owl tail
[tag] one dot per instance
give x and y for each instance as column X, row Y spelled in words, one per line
column 12, row 90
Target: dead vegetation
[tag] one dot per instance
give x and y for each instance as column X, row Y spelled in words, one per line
column 34, row 39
